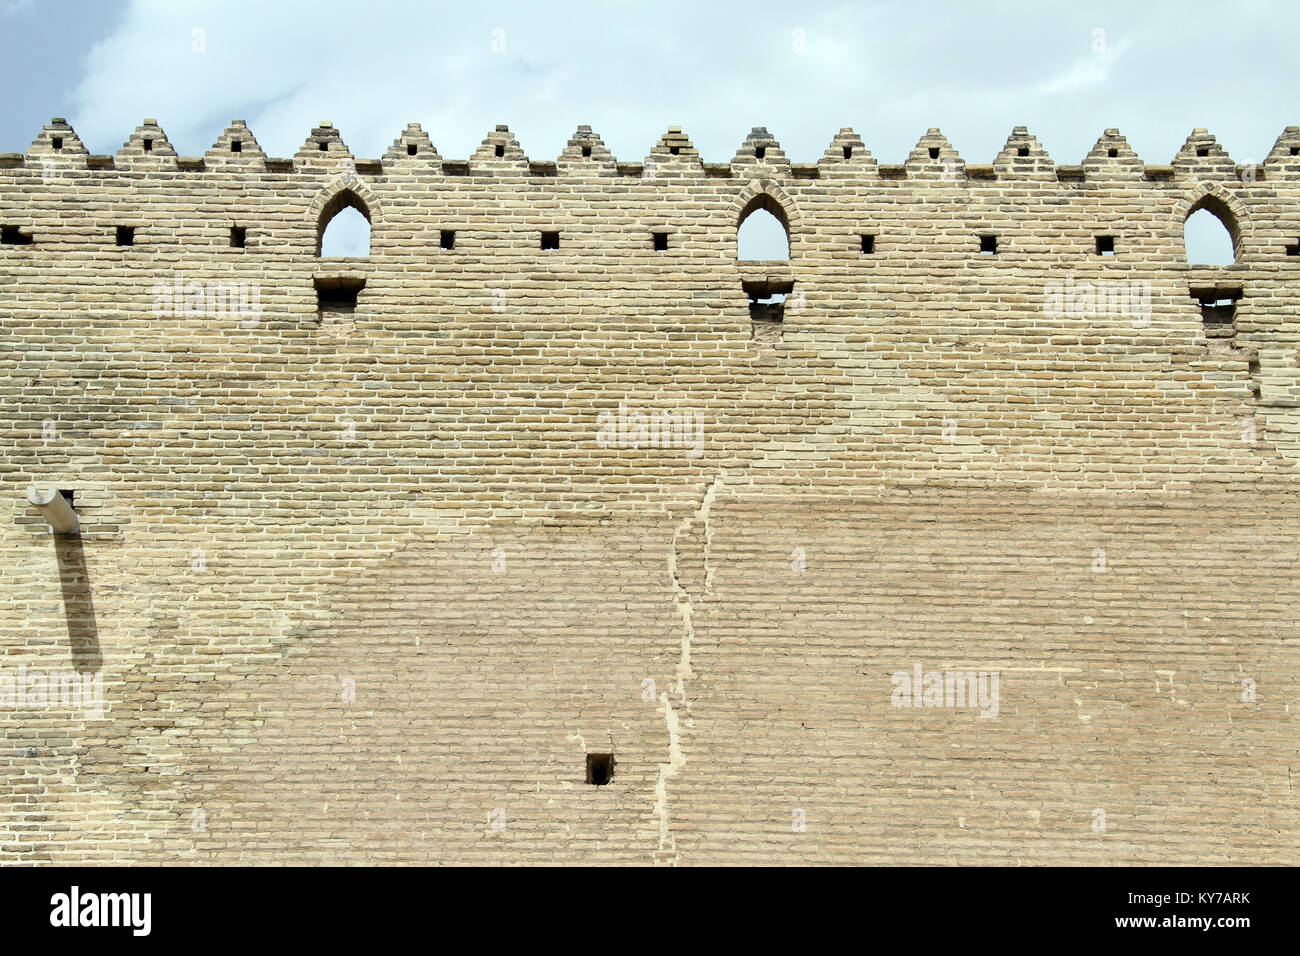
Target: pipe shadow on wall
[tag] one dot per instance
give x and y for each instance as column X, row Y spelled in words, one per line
column 78, row 605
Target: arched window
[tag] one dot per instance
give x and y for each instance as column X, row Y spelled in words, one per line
column 344, row 227
column 1210, row 234
column 763, row 232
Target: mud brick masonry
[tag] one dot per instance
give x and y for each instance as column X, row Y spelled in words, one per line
column 367, row 574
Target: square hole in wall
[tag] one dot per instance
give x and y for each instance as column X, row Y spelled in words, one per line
column 11, row 236
column 550, row 240
column 1292, row 250
column 675, row 150
column 56, row 142
column 1295, row 150
column 1105, row 245
column 500, row 151
column 600, row 769
column 1202, row 151
column 69, row 495
column 661, row 241
column 868, row 244
column 447, row 238
column 934, row 152
column 586, row 152
column 148, row 146
column 337, row 296
column 1022, row 150
column 411, row 149
column 324, row 147
column 238, row 237
column 988, row 244
column 760, row 152
column 1113, row 153
column 126, row 235
column 236, row 146
column 848, row 152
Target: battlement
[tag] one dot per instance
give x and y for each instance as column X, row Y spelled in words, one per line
column 674, row 156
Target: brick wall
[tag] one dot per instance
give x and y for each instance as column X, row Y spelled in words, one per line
column 369, row 585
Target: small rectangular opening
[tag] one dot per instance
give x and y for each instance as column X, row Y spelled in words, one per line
column 934, row 152
column 452, row 167
column 1202, row 151
column 324, row 147
column 550, row 240
column 126, row 235
column 57, row 142
column 238, row 237
column 661, row 241
column 10, row 236
column 447, row 238
column 1022, row 150
column 988, row 244
column 338, row 295
column 675, row 150
column 586, row 152
column 600, row 769
column 411, row 149
column 1295, row 150
column 1105, row 245
column 69, row 495
column 1113, row 153
column 1218, row 309
column 236, row 146
column 760, row 152
column 767, row 298
column 500, row 151
column 1219, row 316
column 148, row 146
column 868, row 244
column 848, row 152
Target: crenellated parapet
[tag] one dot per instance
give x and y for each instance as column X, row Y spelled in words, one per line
column 1022, row 158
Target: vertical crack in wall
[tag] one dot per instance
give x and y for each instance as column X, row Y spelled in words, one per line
column 667, row 852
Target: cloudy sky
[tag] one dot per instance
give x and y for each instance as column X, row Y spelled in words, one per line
column 890, row 70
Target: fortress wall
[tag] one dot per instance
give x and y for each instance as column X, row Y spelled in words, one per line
column 254, row 488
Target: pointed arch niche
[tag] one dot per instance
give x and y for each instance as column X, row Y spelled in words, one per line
column 341, row 268
column 766, row 229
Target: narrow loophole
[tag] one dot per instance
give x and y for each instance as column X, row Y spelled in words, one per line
column 600, row 769
column 238, row 237
column 868, row 244
column 500, row 151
